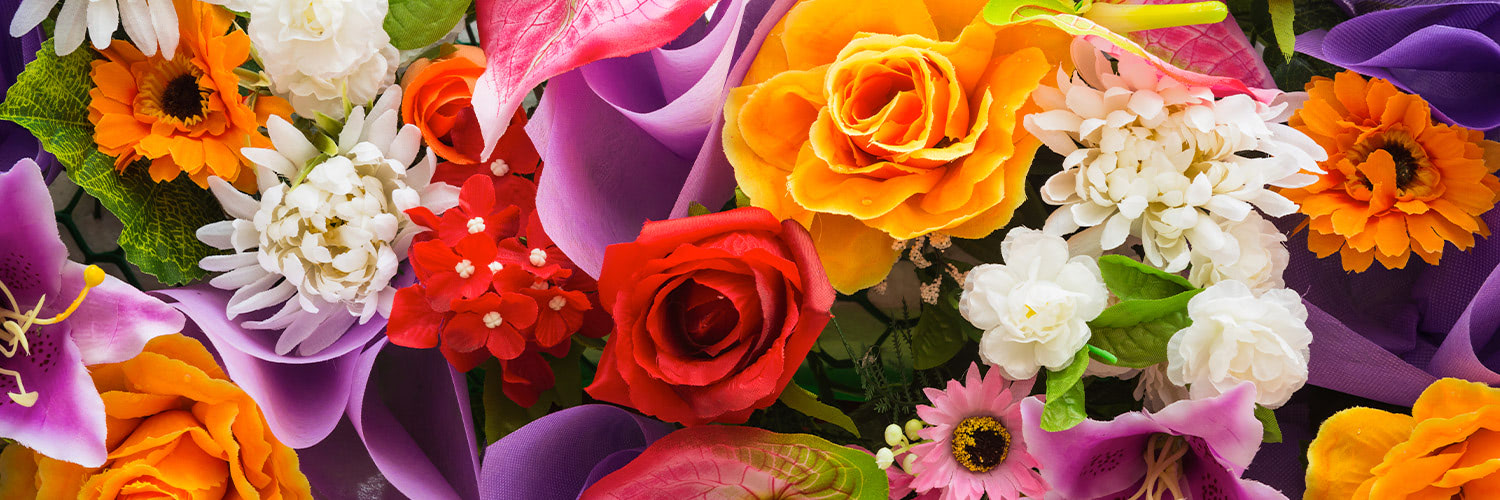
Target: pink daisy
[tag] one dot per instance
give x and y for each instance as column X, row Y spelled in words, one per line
column 974, row 442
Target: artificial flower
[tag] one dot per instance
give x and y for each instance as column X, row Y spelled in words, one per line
column 1148, row 156
column 1394, row 41
column 150, row 23
column 15, row 52
column 59, row 316
column 1238, row 336
column 1396, row 184
column 868, row 129
column 177, row 428
column 975, row 445
column 627, row 140
column 713, row 314
column 1035, row 308
column 436, row 99
column 185, row 114
column 1197, row 448
column 1449, row 447
column 1259, row 264
column 322, row 55
column 528, row 463
column 323, row 250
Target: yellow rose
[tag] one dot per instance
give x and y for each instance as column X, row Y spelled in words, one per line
column 177, row 429
column 871, row 121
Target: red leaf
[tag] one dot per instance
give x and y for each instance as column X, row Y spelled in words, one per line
column 528, row 41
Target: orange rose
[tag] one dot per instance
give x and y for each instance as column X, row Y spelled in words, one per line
column 875, row 122
column 435, row 98
column 177, row 429
column 1449, row 447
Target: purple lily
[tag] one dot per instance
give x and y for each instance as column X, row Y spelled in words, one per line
column 16, row 142
column 1190, row 449
column 58, row 317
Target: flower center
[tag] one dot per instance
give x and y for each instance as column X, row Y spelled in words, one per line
column 182, row 99
column 17, row 323
column 1163, row 456
column 476, row 225
column 492, row 319
column 980, row 443
column 1409, row 157
column 538, row 257
column 557, row 303
column 496, row 266
column 464, row 268
column 499, row 168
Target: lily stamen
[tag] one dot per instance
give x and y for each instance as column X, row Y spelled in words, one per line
column 13, row 335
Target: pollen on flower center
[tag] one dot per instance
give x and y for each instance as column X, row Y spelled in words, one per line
column 539, row 285
column 17, row 323
column 980, row 443
column 476, row 225
column 464, row 268
column 557, row 303
column 182, row 98
column 495, row 266
column 538, row 257
column 499, row 168
column 492, row 319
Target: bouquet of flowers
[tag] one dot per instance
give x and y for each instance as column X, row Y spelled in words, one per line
column 868, row 249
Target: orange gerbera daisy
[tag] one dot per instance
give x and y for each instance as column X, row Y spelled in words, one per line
column 1396, row 184
column 186, row 113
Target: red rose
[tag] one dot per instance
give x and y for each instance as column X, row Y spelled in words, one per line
column 713, row 314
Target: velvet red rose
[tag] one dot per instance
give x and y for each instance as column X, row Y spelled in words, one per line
column 713, row 314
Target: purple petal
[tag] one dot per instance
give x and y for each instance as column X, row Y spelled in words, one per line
column 32, row 255
column 302, row 401
column 634, row 139
column 205, row 304
column 67, row 420
column 1093, row 459
column 116, row 320
column 1226, row 423
column 411, row 409
column 340, row 467
column 557, row 456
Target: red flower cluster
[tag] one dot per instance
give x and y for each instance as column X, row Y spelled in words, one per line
column 490, row 282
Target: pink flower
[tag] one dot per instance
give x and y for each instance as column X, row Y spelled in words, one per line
column 975, row 443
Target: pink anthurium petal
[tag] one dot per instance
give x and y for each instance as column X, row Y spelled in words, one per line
column 527, row 41
column 1218, row 49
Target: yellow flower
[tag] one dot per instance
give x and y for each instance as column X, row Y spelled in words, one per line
column 1449, row 447
column 872, row 121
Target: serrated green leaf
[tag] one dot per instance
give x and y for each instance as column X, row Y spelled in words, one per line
column 50, row 98
column 1282, row 14
column 414, row 24
column 1267, row 418
column 939, row 335
column 797, row 398
column 1065, row 395
column 696, row 209
column 1137, row 331
column 1129, row 279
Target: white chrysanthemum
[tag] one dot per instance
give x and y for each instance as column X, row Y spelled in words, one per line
column 1148, row 156
column 1261, row 259
column 318, row 52
column 324, row 240
column 1035, row 308
column 1238, row 337
column 149, row 23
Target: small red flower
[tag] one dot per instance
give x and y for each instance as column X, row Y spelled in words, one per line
column 560, row 313
column 477, row 212
column 464, row 271
column 413, row 323
column 493, row 321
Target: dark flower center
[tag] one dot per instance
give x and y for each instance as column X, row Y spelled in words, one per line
column 980, row 443
column 182, row 99
column 1406, row 164
column 703, row 315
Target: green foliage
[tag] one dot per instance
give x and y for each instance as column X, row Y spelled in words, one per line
column 414, row 24
column 1291, row 73
column 1267, row 418
column 1129, row 279
column 696, row 209
column 1282, row 14
column 797, row 398
column 1136, row 331
column 503, row 416
column 1065, row 395
column 50, row 99
column 940, row 333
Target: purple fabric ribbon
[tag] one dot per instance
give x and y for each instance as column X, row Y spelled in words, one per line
column 559, row 455
column 15, row 141
column 1445, row 52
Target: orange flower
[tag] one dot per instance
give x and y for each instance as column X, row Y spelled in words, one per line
column 436, row 99
column 186, row 113
column 1396, row 183
column 871, row 122
column 177, row 429
column 1448, row 448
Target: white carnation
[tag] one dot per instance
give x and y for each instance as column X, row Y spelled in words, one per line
column 1238, row 337
column 1035, row 308
column 318, row 52
column 325, row 237
column 1145, row 155
column 1261, row 257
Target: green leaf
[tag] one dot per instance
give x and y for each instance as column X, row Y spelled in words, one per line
column 503, row 416
column 1137, row 331
column 1064, row 407
column 50, row 98
column 1267, row 418
column 740, row 198
column 746, row 462
column 696, row 209
column 1282, row 14
column 414, row 24
column 940, row 333
column 797, row 398
column 1129, row 279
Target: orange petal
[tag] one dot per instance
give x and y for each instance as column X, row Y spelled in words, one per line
column 816, row 30
column 855, row 256
column 1348, row 446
